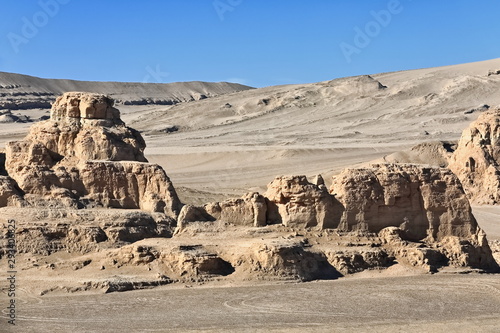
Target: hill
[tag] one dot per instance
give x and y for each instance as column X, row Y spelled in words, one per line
column 21, row 92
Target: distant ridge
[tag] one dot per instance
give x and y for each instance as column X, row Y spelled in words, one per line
column 21, row 92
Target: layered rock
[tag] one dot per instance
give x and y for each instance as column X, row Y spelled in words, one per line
column 423, row 201
column 128, row 185
column 289, row 200
column 84, row 106
column 48, row 230
column 82, row 127
column 353, row 261
column 294, row 201
column 288, row 260
column 476, row 161
column 450, row 251
column 84, row 154
column 250, row 210
column 427, row 207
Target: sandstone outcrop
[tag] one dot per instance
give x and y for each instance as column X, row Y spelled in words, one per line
column 131, row 185
column 371, row 218
column 476, row 161
column 45, row 231
column 450, row 251
column 85, row 155
column 250, row 210
column 427, row 206
column 288, row 260
column 354, row 261
column 82, row 127
column 182, row 262
column 194, row 262
column 289, row 200
column 422, row 213
column 425, row 202
column 295, row 202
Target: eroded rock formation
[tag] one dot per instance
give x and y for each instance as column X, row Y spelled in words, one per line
column 9, row 192
column 371, row 218
column 84, row 154
column 476, row 161
column 44, row 231
column 295, row 202
column 422, row 213
column 249, row 210
column 423, row 201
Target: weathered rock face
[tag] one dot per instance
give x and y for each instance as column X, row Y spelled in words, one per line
column 196, row 262
column 250, row 210
column 84, row 106
column 129, row 185
column 289, row 260
column 48, row 230
column 449, row 251
column 352, row 261
column 290, row 200
column 82, row 127
column 476, row 161
column 85, row 153
column 423, row 201
column 9, row 193
column 294, row 201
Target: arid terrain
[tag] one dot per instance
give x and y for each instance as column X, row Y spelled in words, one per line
column 199, row 258
column 422, row 303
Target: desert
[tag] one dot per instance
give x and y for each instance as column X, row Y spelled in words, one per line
column 249, row 166
column 361, row 203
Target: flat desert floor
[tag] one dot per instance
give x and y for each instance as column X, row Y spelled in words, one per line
column 422, row 303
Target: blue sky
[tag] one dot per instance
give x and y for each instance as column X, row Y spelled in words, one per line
column 255, row 42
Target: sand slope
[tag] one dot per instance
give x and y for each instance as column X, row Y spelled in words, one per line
column 242, row 140
column 28, row 92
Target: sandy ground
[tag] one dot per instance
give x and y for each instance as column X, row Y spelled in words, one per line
column 488, row 218
column 424, row 303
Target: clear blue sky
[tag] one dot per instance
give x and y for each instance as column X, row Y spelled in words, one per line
column 256, row 42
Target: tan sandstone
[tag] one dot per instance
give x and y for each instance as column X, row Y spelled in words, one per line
column 476, row 161
column 422, row 201
column 84, row 154
column 295, row 202
column 249, row 210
